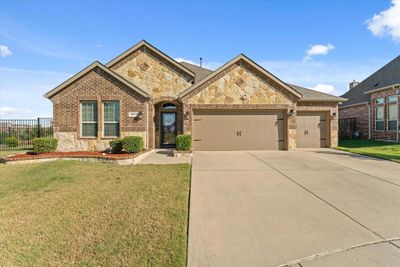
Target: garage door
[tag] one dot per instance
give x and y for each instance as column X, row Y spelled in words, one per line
column 238, row 130
column 311, row 129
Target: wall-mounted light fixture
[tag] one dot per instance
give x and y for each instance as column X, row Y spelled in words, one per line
column 187, row 115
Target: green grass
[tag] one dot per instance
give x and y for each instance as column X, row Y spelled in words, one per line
column 5, row 153
column 378, row 149
column 91, row 214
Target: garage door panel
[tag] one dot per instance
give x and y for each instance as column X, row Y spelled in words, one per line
column 238, row 130
column 311, row 129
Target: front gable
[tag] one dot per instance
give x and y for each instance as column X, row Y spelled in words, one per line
column 240, row 83
column 153, row 71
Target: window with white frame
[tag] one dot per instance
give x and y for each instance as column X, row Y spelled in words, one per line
column 380, row 100
column 89, row 119
column 379, row 118
column 392, row 114
column 392, row 99
column 111, row 118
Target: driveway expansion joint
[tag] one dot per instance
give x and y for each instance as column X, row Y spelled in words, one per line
column 349, row 168
column 332, row 252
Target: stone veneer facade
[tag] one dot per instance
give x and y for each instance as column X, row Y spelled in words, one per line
column 240, row 86
column 153, row 74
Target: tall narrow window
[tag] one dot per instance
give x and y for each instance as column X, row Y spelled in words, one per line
column 111, row 118
column 392, row 117
column 379, row 118
column 89, row 119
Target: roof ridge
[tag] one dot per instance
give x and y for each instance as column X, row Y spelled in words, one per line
column 377, row 71
column 154, row 49
column 86, row 70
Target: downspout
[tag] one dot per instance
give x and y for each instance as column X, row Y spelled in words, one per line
column 398, row 110
column 369, row 121
column 147, row 125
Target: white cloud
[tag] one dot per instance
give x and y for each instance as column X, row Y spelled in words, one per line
column 387, row 22
column 318, row 49
column 179, row 59
column 28, row 87
column 311, row 73
column 6, row 111
column 99, row 45
column 325, row 88
column 5, row 51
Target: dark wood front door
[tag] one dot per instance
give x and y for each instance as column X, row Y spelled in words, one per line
column 168, row 129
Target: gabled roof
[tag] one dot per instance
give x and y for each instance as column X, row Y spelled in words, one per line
column 200, row 72
column 154, row 50
column 386, row 76
column 89, row 68
column 232, row 62
column 312, row 95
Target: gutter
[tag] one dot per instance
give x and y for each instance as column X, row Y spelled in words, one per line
column 382, row 88
column 322, row 100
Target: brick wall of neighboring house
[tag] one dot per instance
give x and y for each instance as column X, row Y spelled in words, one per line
column 360, row 112
column 385, row 134
column 98, row 86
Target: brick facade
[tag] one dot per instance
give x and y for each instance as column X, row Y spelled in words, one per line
column 385, row 134
column 366, row 120
column 360, row 112
column 97, row 86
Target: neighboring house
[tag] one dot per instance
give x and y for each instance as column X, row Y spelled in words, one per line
column 144, row 92
column 374, row 104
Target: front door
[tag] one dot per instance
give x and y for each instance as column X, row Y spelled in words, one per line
column 168, row 129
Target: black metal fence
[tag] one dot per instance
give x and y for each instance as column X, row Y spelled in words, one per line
column 19, row 134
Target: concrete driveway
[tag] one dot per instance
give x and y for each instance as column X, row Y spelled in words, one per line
column 301, row 208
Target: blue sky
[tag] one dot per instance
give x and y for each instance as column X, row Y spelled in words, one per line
column 317, row 44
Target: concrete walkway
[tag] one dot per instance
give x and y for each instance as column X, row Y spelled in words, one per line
column 164, row 156
column 300, row 208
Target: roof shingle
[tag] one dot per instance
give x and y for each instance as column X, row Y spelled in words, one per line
column 385, row 76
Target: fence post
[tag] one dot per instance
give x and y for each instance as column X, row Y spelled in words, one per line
column 38, row 128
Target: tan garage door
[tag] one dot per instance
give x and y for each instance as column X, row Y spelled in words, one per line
column 311, row 129
column 238, row 130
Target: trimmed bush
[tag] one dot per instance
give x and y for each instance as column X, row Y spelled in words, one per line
column 44, row 145
column 183, row 142
column 116, row 146
column 133, row 144
column 12, row 141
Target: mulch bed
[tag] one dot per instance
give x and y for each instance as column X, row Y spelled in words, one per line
column 76, row 154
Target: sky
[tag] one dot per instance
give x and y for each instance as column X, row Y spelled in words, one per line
column 322, row 45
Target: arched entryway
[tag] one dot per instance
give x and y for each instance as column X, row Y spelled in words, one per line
column 168, row 122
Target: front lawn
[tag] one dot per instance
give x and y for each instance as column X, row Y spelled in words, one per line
column 92, row 214
column 384, row 150
column 5, row 153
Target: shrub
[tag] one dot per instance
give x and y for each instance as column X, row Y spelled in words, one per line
column 133, row 144
column 183, row 142
column 12, row 141
column 44, row 145
column 116, row 146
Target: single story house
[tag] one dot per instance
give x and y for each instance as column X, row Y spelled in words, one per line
column 144, row 92
column 374, row 105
